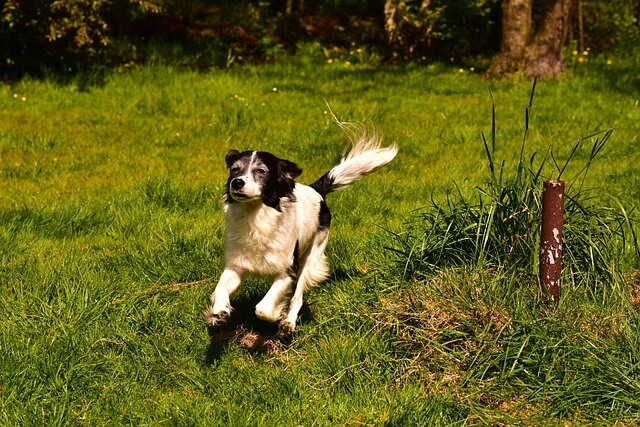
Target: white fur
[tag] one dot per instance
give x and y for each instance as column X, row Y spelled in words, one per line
column 365, row 155
column 260, row 240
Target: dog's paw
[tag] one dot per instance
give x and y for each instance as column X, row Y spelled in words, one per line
column 285, row 330
column 215, row 319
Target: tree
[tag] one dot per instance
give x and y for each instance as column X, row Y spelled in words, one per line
column 537, row 54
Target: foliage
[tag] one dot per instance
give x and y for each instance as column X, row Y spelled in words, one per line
column 60, row 33
column 71, row 35
column 608, row 24
column 449, row 28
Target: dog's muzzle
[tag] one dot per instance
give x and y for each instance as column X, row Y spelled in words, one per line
column 237, row 184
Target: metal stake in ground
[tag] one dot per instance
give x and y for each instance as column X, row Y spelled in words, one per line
column 551, row 238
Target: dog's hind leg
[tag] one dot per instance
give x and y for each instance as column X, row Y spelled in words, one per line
column 314, row 271
column 220, row 307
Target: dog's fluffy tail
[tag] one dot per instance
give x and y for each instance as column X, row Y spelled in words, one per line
column 364, row 157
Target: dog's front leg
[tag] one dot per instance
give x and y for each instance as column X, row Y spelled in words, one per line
column 273, row 305
column 220, row 307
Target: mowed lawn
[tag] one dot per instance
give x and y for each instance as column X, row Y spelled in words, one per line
column 111, row 240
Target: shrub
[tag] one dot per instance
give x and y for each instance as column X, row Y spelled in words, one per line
column 59, row 34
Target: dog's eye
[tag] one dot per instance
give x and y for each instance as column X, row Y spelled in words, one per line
column 261, row 171
column 235, row 169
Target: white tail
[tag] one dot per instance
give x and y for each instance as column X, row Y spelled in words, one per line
column 364, row 157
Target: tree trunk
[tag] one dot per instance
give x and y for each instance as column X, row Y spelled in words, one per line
column 543, row 56
column 402, row 22
column 516, row 29
column 393, row 10
column 538, row 55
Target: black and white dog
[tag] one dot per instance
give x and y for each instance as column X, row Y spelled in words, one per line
column 278, row 229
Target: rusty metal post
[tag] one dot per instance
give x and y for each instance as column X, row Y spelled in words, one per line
column 551, row 238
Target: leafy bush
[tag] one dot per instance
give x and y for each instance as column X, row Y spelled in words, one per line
column 60, row 33
column 607, row 24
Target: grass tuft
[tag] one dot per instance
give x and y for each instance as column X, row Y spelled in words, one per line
column 498, row 228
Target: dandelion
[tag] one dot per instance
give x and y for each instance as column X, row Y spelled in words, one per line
column 15, row 95
column 359, row 50
column 581, row 59
column 275, row 89
column 585, row 53
column 330, row 60
column 609, row 62
column 472, row 69
column 461, row 70
column 574, row 52
column 347, row 63
column 351, row 52
column 24, row 98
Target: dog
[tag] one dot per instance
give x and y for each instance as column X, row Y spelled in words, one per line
column 278, row 229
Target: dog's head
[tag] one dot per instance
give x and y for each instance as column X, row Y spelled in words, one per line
column 258, row 175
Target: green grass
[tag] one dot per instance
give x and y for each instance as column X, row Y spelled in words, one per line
column 111, row 242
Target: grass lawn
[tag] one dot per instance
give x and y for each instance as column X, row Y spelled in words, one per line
column 111, row 243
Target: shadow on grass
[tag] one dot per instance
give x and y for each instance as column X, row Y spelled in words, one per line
column 245, row 330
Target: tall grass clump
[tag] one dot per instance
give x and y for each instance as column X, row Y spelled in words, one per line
column 465, row 323
column 497, row 227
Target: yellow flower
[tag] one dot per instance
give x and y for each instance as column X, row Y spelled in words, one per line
column 347, row 63
column 585, row 53
column 609, row 62
column 461, row 70
column 330, row 61
column 574, row 53
column 581, row 59
column 359, row 50
column 472, row 69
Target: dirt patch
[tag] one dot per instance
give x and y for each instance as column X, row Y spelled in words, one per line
column 245, row 337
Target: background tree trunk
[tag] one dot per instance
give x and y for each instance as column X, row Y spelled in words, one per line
column 393, row 11
column 516, row 29
column 535, row 55
column 543, row 56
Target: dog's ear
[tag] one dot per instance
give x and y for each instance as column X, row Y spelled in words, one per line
column 281, row 183
column 289, row 169
column 231, row 157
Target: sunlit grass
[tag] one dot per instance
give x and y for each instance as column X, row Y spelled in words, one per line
column 111, row 240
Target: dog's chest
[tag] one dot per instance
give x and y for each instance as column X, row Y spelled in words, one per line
column 260, row 241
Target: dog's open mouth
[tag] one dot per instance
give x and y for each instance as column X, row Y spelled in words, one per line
column 239, row 195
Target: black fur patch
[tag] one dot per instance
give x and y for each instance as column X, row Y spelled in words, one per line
column 324, row 216
column 324, row 185
column 230, row 158
column 294, row 270
column 281, row 179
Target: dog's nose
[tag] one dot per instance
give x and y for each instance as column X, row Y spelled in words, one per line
column 237, row 183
